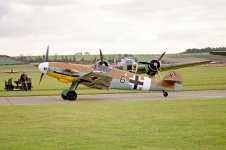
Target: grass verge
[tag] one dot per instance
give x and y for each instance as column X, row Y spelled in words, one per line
column 187, row 124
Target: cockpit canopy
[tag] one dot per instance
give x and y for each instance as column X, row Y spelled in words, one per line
column 127, row 64
column 128, row 60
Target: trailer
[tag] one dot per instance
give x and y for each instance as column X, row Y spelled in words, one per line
column 9, row 86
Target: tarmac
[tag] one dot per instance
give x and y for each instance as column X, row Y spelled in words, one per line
column 152, row 96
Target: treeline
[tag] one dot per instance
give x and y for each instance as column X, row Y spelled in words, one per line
column 205, row 50
column 77, row 58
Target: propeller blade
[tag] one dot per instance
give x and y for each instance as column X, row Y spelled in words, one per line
column 101, row 56
column 161, row 56
column 41, row 78
column 145, row 63
column 47, row 55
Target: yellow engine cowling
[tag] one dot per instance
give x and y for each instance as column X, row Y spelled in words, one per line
column 60, row 77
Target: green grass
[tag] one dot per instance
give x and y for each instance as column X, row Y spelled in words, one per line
column 195, row 78
column 185, row 124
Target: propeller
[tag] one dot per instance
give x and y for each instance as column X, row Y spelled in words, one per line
column 47, row 55
column 154, row 65
column 46, row 59
column 148, row 63
column 161, row 56
column 41, row 78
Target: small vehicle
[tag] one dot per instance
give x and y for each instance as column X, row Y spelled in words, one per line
column 10, row 87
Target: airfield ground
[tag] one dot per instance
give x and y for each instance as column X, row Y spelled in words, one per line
column 44, row 100
column 107, row 120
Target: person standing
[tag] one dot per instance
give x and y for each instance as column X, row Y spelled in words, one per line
column 23, row 80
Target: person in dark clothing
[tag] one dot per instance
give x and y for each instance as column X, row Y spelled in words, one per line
column 23, row 80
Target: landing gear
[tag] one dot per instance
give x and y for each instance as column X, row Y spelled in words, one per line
column 69, row 95
column 165, row 94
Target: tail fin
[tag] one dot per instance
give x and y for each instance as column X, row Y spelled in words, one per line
column 173, row 77
column 172, row 80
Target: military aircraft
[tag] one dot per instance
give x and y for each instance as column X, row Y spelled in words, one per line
column 153, row 66
column 101, row 75
column 222, row 53
column 11, row 71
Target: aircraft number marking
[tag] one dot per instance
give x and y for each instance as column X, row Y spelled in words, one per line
column 122, row 79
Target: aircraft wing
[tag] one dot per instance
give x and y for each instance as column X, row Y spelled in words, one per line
column 96, row 79
column 173, row 66
column 141, row 69
column 166, row 67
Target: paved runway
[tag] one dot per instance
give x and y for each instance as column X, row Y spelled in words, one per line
column 44, row 100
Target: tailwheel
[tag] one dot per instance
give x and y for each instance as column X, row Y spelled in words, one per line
column 69, row 95
column 165, row 94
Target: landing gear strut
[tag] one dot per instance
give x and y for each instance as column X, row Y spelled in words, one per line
column 165, row 94
column 70, row 94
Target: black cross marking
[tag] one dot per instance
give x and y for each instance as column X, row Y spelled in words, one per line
column 136, row 82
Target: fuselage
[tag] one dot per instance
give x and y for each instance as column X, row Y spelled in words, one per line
column 67, row 72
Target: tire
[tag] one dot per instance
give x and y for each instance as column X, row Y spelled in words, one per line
column 165, row 94
column 71, row 95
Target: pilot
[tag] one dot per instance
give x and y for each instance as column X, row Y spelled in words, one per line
column 23, row 80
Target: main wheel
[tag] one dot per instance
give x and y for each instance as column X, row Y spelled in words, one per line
column 165, row 94
column 71, row 95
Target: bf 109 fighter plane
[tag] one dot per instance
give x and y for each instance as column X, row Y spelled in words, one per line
column 101, row 75
column 153, row 66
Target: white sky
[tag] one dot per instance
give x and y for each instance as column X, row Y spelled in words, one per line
column 115, row 26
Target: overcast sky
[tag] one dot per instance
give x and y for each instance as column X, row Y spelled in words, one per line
column 115, row 26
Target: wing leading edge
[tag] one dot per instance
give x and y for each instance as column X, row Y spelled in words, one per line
column 166, row 67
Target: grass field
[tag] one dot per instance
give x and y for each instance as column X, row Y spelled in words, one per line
column 187, row 125
column 195, row 78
